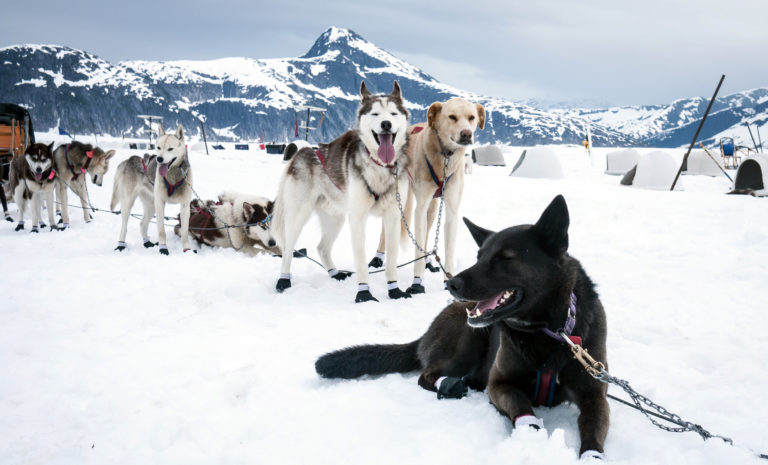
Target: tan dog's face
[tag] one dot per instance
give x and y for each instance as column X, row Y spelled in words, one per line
column 100, row 165
column 456, row 121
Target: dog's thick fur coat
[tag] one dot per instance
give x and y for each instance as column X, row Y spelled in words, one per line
column 522, row 282
column 33, row 178
column 156, row 180
column 71, row 162
column 356, row 179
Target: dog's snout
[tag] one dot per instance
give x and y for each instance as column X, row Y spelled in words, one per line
column 160, row 159
column 386, row 126
column 455, row 285
column 466, row 136
column 271, row 243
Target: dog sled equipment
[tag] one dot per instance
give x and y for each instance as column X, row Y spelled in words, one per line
column 16, row 134
column 731, row 152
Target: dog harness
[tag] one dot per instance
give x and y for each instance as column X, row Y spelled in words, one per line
column 171, row 188
column 546, row 380
column 71, row 165
column 438, row 182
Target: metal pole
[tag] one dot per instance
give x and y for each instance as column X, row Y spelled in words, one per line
column 150, row 134
column 759, row 139
column 750, row 135
column 306, row 130
column 202, row 129
column 696, row 136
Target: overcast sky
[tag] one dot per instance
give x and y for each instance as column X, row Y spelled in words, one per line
column 622, row 52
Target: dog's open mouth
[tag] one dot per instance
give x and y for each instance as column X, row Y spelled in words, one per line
column 503, row 299
column 386, row 141
column 38, row 176
column 502, row 306
column 163, row 168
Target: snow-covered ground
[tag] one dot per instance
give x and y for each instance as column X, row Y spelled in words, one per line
column 138, row 358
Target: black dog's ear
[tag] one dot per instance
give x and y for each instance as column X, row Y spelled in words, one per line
column 478, row 233
column 552, row 227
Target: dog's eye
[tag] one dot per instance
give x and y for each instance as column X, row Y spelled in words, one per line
column 171, row 148
column 453, row 117
column 393, row 114
column 471, row 118
column 374, row 114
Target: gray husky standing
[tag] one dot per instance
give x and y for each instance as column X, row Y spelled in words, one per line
column 156, row 180
column 33, row 177
column 74, row 163
column 354, row 175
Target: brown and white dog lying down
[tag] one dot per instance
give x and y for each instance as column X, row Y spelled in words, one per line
column 252, row 215
column 449, row 129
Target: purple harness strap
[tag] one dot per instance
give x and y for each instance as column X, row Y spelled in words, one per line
column 570, row 322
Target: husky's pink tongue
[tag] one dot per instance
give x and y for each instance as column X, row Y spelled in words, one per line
column 38, row 176
column 163, row 169
column 489, row 304
column 386, row 149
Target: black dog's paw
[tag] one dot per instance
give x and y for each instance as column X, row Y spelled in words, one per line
column 164, row 251
column 283, row 284
column 43, row 225
column 150, row 244
column 376, row 262
column 341, row 275
column 451, row 388
column 364, row 296
column 120, row 248
column 415, row 289
column 432, row 267
column 19, row 227
column 396, row 293
column 34, row 230
column 54, row 227
column 8, row 218
column 301, row 253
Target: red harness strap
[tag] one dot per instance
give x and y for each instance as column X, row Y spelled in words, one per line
column 417, row 129
column 325, row 168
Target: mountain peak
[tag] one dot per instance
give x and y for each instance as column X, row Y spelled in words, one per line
column 334, row 38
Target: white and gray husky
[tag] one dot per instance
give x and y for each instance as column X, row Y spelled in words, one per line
column 33, row 178
column 352, row 176
column 156, row 180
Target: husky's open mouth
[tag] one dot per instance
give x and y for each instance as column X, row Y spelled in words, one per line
column 386, row 141
column 38, row 176
column 163, row 168
column 501, row 306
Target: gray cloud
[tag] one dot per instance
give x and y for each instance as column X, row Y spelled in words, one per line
column 626, row 52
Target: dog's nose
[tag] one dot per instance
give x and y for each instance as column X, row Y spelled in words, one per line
column 159, row 159
column 386, row 126
column 39, row 170
column 465, row 136
column 454, row 285
column 271, row 243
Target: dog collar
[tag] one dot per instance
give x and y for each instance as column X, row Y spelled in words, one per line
column 567, row 329
column 443, row 152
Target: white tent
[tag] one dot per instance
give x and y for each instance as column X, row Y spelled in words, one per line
column 488, row 155
column 538, row 162
column 618, row 163
column 752, row 177
column 700, row 163
column 655, row 170
column 291, row 149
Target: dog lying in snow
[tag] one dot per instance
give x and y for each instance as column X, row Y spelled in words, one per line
column 251, row 214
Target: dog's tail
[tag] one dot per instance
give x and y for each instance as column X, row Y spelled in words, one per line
column 115, row 186
column 356, row 361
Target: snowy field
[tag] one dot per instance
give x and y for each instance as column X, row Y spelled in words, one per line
column 138, row 358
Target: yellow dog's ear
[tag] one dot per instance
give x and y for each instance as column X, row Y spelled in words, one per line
column 432, row 113
column 480, row 116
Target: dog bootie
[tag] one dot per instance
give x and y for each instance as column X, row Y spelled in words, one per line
column 449, row 387
column 395, row 292
column 8, row 216
column 591, row 454
column 530, row 421
column 301, row 253
column 364, row 294
column 339, row 275
column 283, row 283
column 164, row 250
column 149, row 244
column 120, row 246
column 416, row 287
column 431, row 266
column 19, row 226
column 377, row 261
column 34, row 230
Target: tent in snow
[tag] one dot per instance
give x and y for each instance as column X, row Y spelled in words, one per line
column 700, row 163
column 488, row 155
column 618, row 163
column 655, row 170
column 752, row 177
column 291, row 149
column 538, row 162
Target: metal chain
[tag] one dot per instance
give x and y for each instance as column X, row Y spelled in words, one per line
column 597, row 370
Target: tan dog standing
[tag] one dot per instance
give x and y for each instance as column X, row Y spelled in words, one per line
column 436, row 150
column 74, row 163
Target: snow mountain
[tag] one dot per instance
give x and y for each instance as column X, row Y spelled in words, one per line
column 241, row 98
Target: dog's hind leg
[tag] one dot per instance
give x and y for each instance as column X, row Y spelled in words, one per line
column 51, row 210
column 299, row 213
column 18, row 197
column 184, row 218
column 149, row 211
column 330, row 225
column 126, row 204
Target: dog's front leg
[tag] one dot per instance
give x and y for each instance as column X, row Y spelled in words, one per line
column 160, row 213
column 184, row 217
column 509, row 400
column 79, row 188
column 594, row 417
column 452, row 202
column 51, row 210
column 391, row 225
column 18, row 197
column 61, row 193
column 357, row 220
column 36, row 207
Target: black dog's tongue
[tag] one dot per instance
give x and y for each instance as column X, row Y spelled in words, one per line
column 386, row 149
